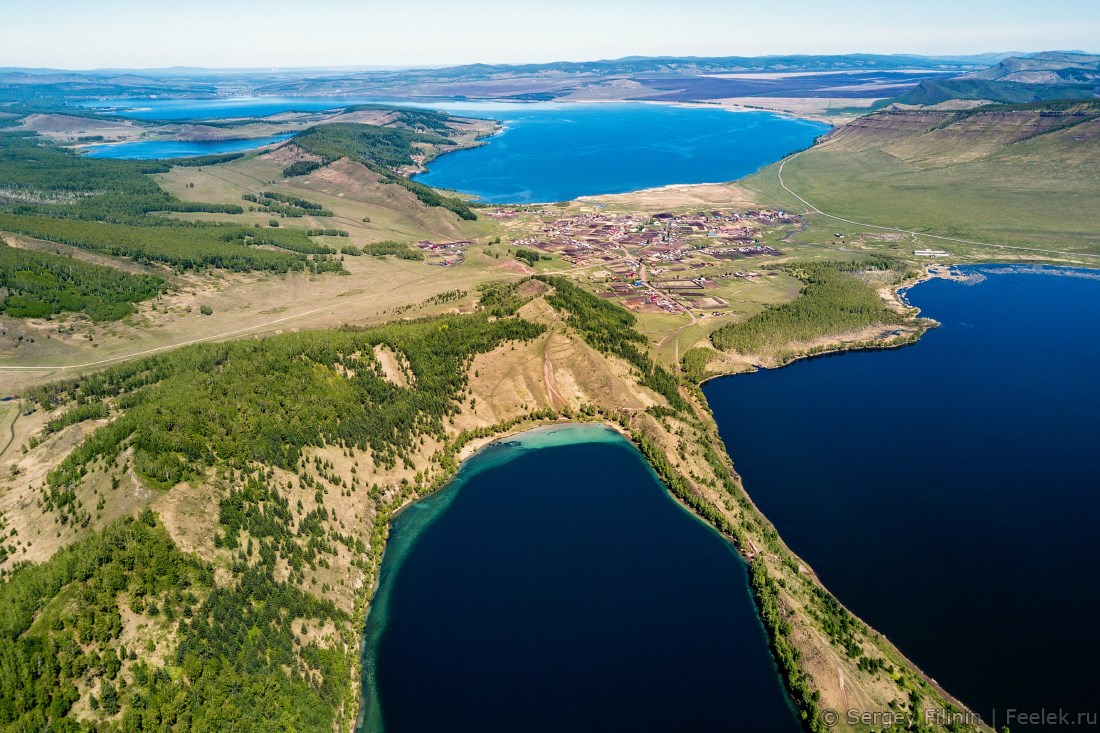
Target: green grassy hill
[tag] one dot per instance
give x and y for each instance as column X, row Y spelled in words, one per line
column 1026, row 176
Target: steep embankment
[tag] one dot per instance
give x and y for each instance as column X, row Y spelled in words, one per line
column 1017, row 175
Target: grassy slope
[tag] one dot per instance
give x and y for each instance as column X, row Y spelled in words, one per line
column 351, row 191
column 964, row 176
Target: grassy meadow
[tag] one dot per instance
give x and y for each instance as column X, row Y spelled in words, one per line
column 1042, row 191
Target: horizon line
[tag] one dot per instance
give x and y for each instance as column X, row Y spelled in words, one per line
column 400, row 67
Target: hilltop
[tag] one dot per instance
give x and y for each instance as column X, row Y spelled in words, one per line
column 98, row 254
column 1017, row 175
column 1018, row 79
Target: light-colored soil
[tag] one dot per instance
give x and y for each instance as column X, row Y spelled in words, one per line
column 676, row 197
column 395, row 366
column 286, row 154
column 819, row 108
column 66, row 128
column 243, row 305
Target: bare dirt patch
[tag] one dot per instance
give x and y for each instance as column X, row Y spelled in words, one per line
column 290, row 153
column 719, row 195
column 395, row 367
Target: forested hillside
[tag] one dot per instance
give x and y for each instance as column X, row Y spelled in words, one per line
column 107, row 206
column 46, row 178
column 242, row 639
column 382, row 150
column 39, row 284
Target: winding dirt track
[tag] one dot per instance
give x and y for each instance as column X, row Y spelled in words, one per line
column 548, row 375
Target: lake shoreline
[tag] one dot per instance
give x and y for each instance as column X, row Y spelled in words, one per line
column 812, row 541
column 890, row 337
column 837, row 345
column 699, row 145
column 470, row 449
column 751, row 551
column 563, row 432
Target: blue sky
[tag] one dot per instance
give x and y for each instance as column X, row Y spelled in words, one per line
column 80, row 34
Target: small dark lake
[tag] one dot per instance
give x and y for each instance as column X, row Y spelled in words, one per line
column 554, row 585
column 947, row 492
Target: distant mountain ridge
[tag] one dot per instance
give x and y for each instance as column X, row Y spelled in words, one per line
column 1017, row 79
column 999, row 78
column 1043, row 68
column 626, row 64
column 717, row 64
column 664, row 78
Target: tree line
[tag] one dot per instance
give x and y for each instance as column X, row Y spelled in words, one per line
column 285, row 205
column 380, row 149
column 268, row 400
column 40, row 284
column 180, row 246
column 609, row 328
column 40, row 177
column 833, row 300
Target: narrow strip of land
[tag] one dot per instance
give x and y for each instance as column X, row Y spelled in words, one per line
column 814, row 209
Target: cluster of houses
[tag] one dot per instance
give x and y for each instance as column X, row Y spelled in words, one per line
column 652, row 262
column 445, row 254
column 592, row 238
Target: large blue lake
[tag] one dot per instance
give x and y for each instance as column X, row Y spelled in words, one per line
column 556, row 152
column 166, row 149
column 554, row 585
column 948, row 492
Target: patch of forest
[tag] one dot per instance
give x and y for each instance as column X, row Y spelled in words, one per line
column 178, row 245
column 238, row 656
column 286, row 205
column 244, row 401
column 237, row 662
column 40, row 284
column 381, row 149
column 833, row 300
column 102, row 205
column 37, row 176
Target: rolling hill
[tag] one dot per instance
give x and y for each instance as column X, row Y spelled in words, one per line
column 1018, row 79
column 1026, row 175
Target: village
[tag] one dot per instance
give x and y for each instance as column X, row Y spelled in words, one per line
column 655, row 263
column 665, row 262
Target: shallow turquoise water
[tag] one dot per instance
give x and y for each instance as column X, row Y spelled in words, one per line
column 554, row 585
